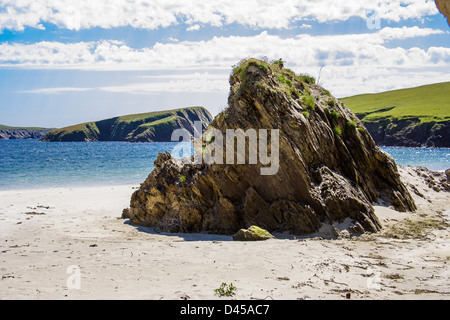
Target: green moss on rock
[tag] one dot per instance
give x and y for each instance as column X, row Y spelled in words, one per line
column 254, row 233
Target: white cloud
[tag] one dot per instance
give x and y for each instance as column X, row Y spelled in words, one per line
column 354, row 63
column 194, row 27
column 185, row 76
column 305, row 26
column 192, row 82
column 55, row 90
column 222, row 52
column 348, row 81
column 189, row 82
column 388, row 33
column 153, row 14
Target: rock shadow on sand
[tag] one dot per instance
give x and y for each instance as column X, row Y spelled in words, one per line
column 328, row 232
column 184, row 236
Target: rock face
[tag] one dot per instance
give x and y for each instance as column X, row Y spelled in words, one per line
column 23, row 133
column 444, row 8
column 329, row 166
column 438, row 181
column 145, row 127
column 409, row 117
column 409, row 133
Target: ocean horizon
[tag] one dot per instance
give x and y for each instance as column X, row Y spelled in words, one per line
column 31, row 164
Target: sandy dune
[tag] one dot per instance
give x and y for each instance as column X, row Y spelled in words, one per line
column 47, row 236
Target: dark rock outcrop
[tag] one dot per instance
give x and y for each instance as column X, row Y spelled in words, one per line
column 330, row 169
column 146, row 127
column 409, row 117
column 438, row 181
column 444, row 8
column 23, row 133
column 409, row 133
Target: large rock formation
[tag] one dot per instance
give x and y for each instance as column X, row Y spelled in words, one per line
column 329, row 166
column 444, row 8
column 145, row 127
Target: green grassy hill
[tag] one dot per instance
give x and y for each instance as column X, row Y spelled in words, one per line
column 144, row 127
column 427, row 103
column 415, row 117
column 3, row 127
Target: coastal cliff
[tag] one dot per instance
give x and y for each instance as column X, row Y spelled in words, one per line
column 330, row 169
column 412, row 117
column 145, row 127
column 409, row 133
column 11, row 133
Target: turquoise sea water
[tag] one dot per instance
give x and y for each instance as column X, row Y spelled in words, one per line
column 28, row 164
column 433, row 158
column 35, row 164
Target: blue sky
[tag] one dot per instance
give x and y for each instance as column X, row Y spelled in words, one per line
column 64, row 62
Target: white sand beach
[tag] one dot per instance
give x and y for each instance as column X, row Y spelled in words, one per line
column 44, row 234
